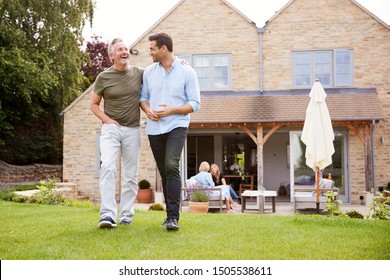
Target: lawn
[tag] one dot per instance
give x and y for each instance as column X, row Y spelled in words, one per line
column 42, row 232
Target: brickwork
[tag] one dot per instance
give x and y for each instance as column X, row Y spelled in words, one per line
column 212, row 26
column 219, row 30
column 80, row 131
column 80, row 128
column 334, row 24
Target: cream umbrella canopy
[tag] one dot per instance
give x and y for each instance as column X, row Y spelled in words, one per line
column 318, row 135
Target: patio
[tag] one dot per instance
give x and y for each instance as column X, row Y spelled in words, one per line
column 282, row 208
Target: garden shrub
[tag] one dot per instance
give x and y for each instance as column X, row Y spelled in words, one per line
column 379, row 207
column 332, row 206
column 47, row 194
column 354, row 214
column 156, row 207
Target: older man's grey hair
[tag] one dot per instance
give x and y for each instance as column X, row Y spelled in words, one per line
column 110, row 47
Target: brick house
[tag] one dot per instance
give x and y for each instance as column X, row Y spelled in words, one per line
column 255, row 84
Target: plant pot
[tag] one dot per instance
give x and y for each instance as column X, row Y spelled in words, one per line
column 198, row 207
column 368, row 198
column 145, row 195
column 158, row 198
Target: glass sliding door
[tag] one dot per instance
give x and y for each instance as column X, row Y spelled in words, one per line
column 339, row 166
column 301, row 174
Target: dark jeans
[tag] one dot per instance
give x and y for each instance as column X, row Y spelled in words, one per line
column 166, row 150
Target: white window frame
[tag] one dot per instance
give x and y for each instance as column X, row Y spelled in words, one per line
column 337, row 84
column 333, row 81
column 211, row 70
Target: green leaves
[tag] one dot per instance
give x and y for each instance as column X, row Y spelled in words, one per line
column 27, row 79
column 39, row 66
column 379, row 207
column 199, row 195
column 332, row 207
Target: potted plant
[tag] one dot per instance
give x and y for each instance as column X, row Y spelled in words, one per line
column 199, row 199
column 145, row 193
column 386, row 192
column 368, row 197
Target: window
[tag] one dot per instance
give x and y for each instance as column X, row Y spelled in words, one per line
column 343, row 63
column 332, row 67
column 221, row 71
column 202, row 68
column 301, row 174
column 213, row 70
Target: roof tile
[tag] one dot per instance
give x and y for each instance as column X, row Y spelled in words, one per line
column 249, row 108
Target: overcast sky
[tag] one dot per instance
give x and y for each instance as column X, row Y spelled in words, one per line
column 129, row 19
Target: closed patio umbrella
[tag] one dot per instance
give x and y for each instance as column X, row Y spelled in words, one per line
column 318, row 135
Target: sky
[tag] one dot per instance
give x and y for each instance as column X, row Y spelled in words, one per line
column 129, row 19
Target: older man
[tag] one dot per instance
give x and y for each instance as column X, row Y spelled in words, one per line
column 120, row 87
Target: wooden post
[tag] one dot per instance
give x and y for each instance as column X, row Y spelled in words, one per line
column 260, row 163
column 368, row 157
column 317, row 190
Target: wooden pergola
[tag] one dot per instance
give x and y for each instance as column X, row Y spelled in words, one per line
column 361, row 128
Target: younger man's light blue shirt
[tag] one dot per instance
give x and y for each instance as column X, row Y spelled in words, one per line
column 175, row 88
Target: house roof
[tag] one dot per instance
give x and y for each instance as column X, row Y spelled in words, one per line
column 236, row 108
column 239, row 107
column 371, row 14
column 77, row 99
column 353, row 1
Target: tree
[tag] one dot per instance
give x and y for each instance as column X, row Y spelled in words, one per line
column 40, row 72
column 96, row 59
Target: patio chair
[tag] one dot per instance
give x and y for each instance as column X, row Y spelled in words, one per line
column 307, row 193
column 216, row 197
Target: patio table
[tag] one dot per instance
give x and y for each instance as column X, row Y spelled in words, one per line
column 260, row 198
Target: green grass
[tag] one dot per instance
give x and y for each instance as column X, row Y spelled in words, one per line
column 41, row 232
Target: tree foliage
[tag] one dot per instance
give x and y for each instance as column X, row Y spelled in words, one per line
column 40, row 74
column 96, row 59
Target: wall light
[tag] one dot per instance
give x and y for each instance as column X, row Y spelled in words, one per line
column 134, row 51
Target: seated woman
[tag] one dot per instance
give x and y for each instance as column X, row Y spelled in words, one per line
column 220, row 180
column 204, row 178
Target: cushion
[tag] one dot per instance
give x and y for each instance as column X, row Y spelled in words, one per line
column 326, row 184
column 215, row 195
column 191, row 183
column 304, row 180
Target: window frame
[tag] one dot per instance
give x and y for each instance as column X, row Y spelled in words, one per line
column 211, row 69
column 333, row 68
column 351, row 63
